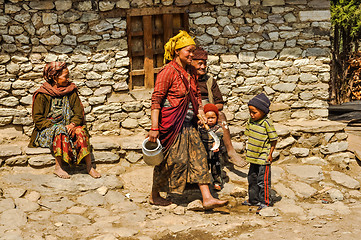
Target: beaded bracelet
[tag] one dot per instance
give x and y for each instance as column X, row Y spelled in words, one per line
column 154, row 129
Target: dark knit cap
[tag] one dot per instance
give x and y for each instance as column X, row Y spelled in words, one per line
column 261, row 102
column 200, row 54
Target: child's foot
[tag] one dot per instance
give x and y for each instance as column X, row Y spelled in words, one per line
column 92, row 172
column 61, row 173
column 262, row 206
column 247, row 203
column 214, row 203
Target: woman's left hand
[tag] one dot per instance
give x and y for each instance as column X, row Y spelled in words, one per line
column 70, row 129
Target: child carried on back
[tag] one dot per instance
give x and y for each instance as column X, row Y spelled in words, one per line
column 216, row 157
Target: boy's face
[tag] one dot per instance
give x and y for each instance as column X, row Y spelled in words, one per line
column 211, row 118
column 255, row 113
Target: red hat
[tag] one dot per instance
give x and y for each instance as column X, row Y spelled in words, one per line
column 210, row 107
column 200, row 54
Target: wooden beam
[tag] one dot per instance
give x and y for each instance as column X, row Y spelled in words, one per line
column 170, row 10
column 129, row 35
column 167, row 27
column 148, row 52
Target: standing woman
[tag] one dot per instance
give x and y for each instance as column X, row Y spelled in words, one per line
column 59, row 120
column 175, row 103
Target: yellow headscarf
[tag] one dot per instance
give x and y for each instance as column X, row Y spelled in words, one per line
column 182, row 39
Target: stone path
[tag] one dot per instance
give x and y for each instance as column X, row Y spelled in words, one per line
column 311, row 201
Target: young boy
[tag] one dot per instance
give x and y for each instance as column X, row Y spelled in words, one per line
column 262, row 139
column 216, row 157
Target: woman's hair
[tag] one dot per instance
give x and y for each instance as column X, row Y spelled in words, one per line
column 52, row 70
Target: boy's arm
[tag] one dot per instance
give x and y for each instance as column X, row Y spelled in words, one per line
column 273, row 146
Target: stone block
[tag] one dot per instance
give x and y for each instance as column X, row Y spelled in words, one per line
column 17, row 161
column 315, row 16
column 285, row 143
column 344, row 180
column 334, row 147
column 314, row 161
column 302, row 190
column 41, row 5
column 105, row 157
column 270, row 3
column 8, row 150
column 41, row 161
column 133, row 157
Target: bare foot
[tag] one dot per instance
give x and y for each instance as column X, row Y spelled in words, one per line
column 61, row 173
column 156, row 199
column 214, row 203
column 235, row 159
column 92, row 172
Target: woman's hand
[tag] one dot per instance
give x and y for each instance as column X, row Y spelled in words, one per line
column 153, row 135
column 70, row 129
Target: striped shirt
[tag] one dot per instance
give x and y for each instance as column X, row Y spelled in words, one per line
column 260, row 135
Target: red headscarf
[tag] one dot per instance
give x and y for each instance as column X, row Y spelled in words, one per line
column 200, row 54
column 210, row 107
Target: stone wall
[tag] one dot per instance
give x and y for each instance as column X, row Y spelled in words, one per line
column 281, row 47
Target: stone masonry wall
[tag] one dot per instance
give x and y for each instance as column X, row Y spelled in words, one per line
column 281, row 47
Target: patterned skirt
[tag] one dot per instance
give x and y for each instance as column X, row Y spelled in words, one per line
column 184, row 162
column 71, row 149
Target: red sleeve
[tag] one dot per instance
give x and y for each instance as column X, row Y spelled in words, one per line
column 162, row 85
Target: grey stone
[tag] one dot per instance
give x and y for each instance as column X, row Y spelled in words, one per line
column 106, row 5
column 78, row 28
column 52, row 40
column 123, row 4
column 17, row 161
column 269, row 212
column 72, row 219
column 15, row 30
column 306, row 173
column 283, row 191
column 344, row 180
column 334, row 147
column 314, row 161
column 105, row 157
column 266, row 55
column 26, row 205
column 69, row 17
column 300, row 152
column 102, row 26
column 91, row 199
column 89, row 17
column 284, row 87
column 63, row 5
column 205, row 20
column 8, row 150
column 229, row 30
column 302, row 190
column 103, row 91
column 86, row 38
column 22, row 17
column 10, row 8
column 37, row 151
column 273, row 2
column 133, row 157
column 335, row 194
column 6, row 204
column 56, row 203
column 118, row 44
column 130, row 123
column 41, row 161
column 41, row 5
column 315, row 16
column 13, row 218
column 62, row 49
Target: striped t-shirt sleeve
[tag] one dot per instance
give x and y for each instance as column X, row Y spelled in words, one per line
column 246, row 131
column 271, row 131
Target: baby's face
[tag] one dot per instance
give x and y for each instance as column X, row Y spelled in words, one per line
column 211, row 118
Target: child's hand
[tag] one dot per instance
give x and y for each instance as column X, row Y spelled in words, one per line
column 269, row 160
column 216, row 150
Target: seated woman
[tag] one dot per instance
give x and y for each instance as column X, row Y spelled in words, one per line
column 175, row 103
column 59, row 120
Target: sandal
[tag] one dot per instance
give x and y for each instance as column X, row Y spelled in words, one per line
column 247, row 203
column 217, row 187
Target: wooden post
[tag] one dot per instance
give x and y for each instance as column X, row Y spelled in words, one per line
column 148, row 52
